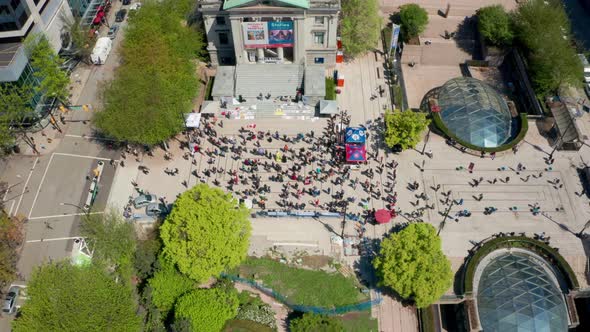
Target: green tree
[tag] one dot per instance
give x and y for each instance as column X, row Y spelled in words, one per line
column 167, row 285
column 360, row 26
column 156, row 84
column 207, row 309
column 316, row 323
column 206, row 233
column 15, row 102
column 494, row 25
column 11, row 237
column 146, row 257
column 414, row 20
column 412, row 263
column 111, row 238
column 80, row 38
column 543, row 29
column 47, row 68
column 63, row 297
column 404, row 128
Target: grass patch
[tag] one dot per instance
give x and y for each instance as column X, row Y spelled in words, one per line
column 330, row 89
column 301, row 286
column 209, row 88
column 427, row 319
column 240, row 325
column 359, row 321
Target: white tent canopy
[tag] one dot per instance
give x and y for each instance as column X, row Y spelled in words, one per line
column 192, row 120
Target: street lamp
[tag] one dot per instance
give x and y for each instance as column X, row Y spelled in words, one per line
column 85, row 210
column 581, row 233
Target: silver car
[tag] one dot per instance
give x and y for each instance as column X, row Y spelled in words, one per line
column 144, row 200
column 155, row 210
column 113, row 31
column 9, row 305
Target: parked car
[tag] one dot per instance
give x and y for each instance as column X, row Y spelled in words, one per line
column 9, row 305
column 126, row 2
column 113, row 31
column 144, row 200
column 120, row 16
column 587, row 89
column 155, row 209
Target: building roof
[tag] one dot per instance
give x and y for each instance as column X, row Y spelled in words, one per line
column 475, row 112
column 223, row 86
column 8, row 53
column 315, row 80
column 516, row 293
column 228, row 4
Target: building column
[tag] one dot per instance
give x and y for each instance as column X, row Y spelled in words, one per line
column 260, row 55
column 280, row 53
column 299, row 47
column 236, row 32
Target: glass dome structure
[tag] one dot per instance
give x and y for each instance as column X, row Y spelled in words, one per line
column 516, row 294
column 474, row 112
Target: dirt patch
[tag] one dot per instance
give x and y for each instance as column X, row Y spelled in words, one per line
column 351, row 316
column 316, row 261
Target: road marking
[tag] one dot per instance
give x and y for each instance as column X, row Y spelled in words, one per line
column 40, row 184
column 79, row 156
column 64, row 215
column 11, row 206
column 55, row 239
column 25, row 187
column 295, row 244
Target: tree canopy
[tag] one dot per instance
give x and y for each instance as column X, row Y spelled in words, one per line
column 11, row 237
column 543, row 29
column 153, row 88
column 494, row 25
column 111, row 238
column 167, row 285
column 316, row 323
column 206, row 233
column 47, row 65
column 404, row 128
column 63, row 297
column 413, row 19
column 15, row 102
column 207, row 310
column 360, row 26
column 412, row 263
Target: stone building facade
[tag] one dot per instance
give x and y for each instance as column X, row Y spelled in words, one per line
column 271, row 31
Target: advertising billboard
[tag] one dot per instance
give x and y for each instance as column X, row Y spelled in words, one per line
column 268, row 34
column 280, row 34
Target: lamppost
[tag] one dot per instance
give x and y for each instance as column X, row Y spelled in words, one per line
column 560, row 139
column 443, row 222
column 86, row 212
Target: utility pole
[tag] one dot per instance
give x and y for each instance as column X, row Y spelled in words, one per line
column 560, row 138
column 442, row 224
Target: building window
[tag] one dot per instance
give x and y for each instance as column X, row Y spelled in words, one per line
column 319, row 20
column 220, row 20
column 223, row 40
column 318, row 38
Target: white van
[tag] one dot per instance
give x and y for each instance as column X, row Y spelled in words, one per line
column 101, row 50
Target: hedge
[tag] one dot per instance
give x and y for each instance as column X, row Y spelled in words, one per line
column 542, row 249
column 330, row 89
column 524, row 127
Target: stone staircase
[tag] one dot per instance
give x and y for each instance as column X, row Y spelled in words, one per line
column 276, row 79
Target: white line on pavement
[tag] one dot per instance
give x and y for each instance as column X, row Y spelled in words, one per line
column 55, row 239
column 64, row 215
column 25, row 187
column 11, row 206
column 79, row 156
column 40, row 184
column 295, row 244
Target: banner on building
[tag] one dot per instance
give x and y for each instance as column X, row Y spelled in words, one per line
column 268, row 34
column 280, row 34
column 394, row 37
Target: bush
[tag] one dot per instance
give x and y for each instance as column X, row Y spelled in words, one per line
column 414, row 20
column 494, row 25
column 524, row 127
column 330, row 89
column 315, row 323
column 404, row 129
column 261, row 314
